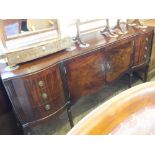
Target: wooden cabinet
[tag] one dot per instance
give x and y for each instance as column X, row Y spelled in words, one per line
column 44, row 87
column 85, row 74
column 38, row 95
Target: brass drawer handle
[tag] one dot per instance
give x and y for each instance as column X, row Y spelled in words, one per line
column 41, row 83
column 145, row 48
column 47, row 107
column 146, row 39
column 44, row 96
column 145, row 55
column 108, row 66
column 43, row 48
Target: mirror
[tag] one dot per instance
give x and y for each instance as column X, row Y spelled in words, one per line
column 16, row 27
column 21, row 32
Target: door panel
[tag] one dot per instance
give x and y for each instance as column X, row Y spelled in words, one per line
column 86, row 74
column 118, row 60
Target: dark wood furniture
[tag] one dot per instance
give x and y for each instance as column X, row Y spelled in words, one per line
column 131, row 112
column 47, row 86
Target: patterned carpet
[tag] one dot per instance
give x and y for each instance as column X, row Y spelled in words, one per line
column 60, row 125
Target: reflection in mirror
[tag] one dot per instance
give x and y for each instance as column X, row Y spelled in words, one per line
column 87, row 26
column 16, row 27
column 108, row 31
column 136, row 23
column 22, row 32
column 121, row 27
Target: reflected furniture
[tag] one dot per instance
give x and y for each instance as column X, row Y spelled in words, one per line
column 46, row 87
column 131, row 112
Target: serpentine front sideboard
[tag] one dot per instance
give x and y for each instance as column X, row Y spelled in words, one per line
column 45, row 87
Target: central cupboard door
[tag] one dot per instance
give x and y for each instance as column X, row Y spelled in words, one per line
column 118, row 60
column 85, row 74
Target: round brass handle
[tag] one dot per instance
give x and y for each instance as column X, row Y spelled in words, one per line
column 47, row 107
column 44, row 96
column 108, row 66
column 145, row 48
column 41, row 83
column 43, row 48
column 146, row 39
column 145, row 55
column 18, row 56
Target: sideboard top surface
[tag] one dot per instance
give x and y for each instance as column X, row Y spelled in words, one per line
column 95, row 39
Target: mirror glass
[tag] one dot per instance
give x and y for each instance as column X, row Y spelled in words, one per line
column 17, row 27
column 22, row 32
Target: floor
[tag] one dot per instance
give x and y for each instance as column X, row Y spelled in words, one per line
column 60, row 125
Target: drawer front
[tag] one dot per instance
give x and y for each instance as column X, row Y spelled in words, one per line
column 142, row 48
column 45, row 110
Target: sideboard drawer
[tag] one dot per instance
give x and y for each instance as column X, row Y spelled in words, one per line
column 45, row 110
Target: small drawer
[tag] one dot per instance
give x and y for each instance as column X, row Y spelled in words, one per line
column 44, row 110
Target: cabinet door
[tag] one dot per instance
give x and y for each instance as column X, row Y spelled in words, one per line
column 118, row 60
column 38, row 95
column 85, row 74
column 142, row 48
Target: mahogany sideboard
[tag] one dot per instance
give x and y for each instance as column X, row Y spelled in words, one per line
column 45, row 87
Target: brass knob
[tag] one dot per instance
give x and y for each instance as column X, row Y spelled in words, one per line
column 108, row 66
column 43, row 48
column 145, row 48
column 145, row 55
column 47, row 107
column 44, row 96
column 41, row 83
column 146, row 39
